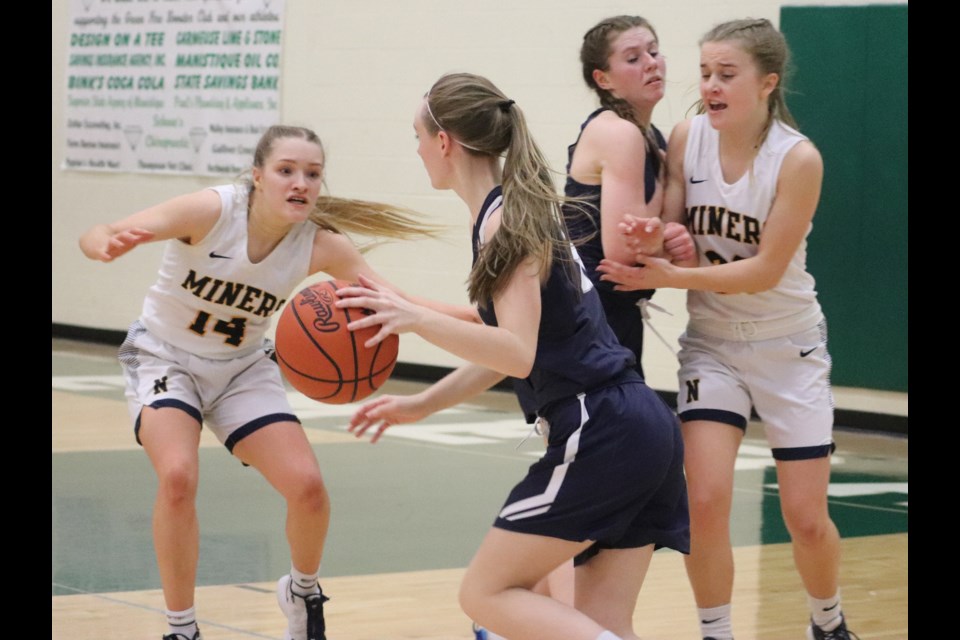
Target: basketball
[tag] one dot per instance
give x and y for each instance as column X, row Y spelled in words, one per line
column 324, row 360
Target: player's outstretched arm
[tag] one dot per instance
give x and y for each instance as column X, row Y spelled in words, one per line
column 385, row 411
column 188, row 217
column 336, row 255
column 103, row 244
column 509, row 348
column 459, row 311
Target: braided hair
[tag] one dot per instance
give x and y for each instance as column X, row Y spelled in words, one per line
column 595, row 54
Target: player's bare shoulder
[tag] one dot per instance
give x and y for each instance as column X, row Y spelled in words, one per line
column 609, row 128
column 331, row 248
column 803, row 164
column 678, row 135
column 805, row 154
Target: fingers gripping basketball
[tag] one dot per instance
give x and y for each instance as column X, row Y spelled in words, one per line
column 324, row 360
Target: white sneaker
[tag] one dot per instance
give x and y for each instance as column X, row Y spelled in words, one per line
column 304, row 613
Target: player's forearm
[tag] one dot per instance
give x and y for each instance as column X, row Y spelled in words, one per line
column 491, row 347
column 458, row 386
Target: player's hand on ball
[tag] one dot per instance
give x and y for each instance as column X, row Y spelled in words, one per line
column 384, row 308
column 383, row 412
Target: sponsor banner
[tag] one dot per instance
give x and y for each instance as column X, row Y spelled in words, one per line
column 170, row 86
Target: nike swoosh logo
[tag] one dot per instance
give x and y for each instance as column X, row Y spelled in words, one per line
column 804, row 354
column 214, row 254
column 831, row 608
column 692, row 181
column 710, row 621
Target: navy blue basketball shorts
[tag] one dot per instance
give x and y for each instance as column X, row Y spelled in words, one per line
column 612, row 473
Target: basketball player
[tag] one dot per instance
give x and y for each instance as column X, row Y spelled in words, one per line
column 615, row 167
column 615, row 164
column 610, row 486
column 747, row 183
column 198, row 353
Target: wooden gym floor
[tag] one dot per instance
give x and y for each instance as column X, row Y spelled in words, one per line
column 408, row 513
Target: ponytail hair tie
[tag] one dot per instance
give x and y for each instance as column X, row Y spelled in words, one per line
column 505, row 105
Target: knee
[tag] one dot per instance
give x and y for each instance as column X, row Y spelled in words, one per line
column 470, row 600
column 310, row 492
column 481, row 594
column 178, row 484
column 709, row 505
column 808, row 526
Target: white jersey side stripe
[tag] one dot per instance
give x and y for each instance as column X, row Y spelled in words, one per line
column 535, row 505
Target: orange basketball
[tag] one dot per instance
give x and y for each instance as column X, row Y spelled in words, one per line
column 324, row 360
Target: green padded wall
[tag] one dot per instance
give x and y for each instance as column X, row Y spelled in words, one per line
column 848, row 93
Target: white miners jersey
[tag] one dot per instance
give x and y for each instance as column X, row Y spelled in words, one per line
column 209, row 299
column 727, row 223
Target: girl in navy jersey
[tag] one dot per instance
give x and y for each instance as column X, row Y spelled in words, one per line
column 616, row 164
column 747, row 184
column 610, row 487
column 198, row 353
column 615, row 168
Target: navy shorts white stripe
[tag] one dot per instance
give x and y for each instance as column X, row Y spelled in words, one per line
column 585, row 488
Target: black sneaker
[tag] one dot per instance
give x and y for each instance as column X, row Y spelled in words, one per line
column 840, row 633
column 180, row 636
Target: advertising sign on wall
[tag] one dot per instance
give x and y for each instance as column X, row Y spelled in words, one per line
column 171, row 86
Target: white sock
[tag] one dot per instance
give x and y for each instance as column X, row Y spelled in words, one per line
column 825, row 613
column 304, row 584
column 182, row 622
column 492, row 636
column 715, row 622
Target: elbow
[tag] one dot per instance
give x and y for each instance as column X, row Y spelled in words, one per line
column 82, row 243
column 753, row 275
column 522, row 366
column 521, row 371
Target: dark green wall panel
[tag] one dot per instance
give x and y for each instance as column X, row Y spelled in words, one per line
column 848, row 93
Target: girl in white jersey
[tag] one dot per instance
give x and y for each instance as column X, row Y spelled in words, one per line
column 747, row 183
column 198, row 353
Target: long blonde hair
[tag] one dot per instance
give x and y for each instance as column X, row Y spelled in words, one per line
column 345, row 215
column 487, row 123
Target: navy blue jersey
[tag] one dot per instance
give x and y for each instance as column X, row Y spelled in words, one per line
column 620, row 306
column 576, row 349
